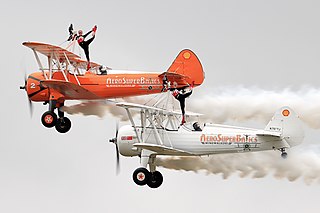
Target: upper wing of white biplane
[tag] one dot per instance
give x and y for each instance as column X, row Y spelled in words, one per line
column 154, row 109
column 60, row 54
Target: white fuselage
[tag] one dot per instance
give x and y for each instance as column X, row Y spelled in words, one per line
column 213, row 139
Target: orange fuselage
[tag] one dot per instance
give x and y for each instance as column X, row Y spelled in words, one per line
column 102, row 86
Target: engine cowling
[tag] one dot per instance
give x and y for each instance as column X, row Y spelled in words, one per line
column 126, row 139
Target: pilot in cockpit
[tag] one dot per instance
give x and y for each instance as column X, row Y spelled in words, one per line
column 103, row 70
column 196, row 126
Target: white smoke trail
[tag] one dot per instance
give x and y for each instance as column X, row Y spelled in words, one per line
column 97, row 108
column 224, row 104
column 299, row 164
column 242, row 104
column 103, row 108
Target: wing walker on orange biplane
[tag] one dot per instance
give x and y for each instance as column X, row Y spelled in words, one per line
column 65, row 77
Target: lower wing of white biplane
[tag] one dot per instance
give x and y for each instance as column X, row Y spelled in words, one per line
column 161, row 149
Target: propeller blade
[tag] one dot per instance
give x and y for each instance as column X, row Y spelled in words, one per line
column 115, row 140
column 30, row 107
column 117, row 129
column 25, row 88
column 118, row 159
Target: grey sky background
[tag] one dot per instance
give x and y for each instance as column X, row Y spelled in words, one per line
column 271, row 45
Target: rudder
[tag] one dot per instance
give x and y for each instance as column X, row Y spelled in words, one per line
column 286, row 122
column 188, row 64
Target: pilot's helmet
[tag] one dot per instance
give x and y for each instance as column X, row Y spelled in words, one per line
column 196, row 125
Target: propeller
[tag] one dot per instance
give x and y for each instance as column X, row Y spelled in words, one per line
column 115, row 140
column 24, row 87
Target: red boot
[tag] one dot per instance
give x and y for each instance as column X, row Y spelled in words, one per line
column 192, row 85
column 183, row 120
column 94, row 29
column 88, row 66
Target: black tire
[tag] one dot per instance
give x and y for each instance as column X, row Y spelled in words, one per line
column 141, row 176
column 155, row 180
column 284, row 155
column 63, row 125
column 49, row 119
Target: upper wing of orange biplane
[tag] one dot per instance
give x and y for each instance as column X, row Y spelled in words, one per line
column 69, row 90
column 60, row 54
column 48, row 50
column 81, row 63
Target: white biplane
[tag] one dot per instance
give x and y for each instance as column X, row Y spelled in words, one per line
column 159, row 133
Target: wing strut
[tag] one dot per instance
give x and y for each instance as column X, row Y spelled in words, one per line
column 39, row 63
column 60, row 67
column 68, row 63
column 150, row 118
column 133, row 124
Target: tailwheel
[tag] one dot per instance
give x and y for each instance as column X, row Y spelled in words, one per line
column 155, row 180
column 284, row 154
column 141, row 176
column 63, row 125
column 49, row 119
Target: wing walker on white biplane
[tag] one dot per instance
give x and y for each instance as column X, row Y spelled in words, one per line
column 158, row 133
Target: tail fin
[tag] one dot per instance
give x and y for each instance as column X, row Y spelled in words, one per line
column 286, row 122
column 188, row 64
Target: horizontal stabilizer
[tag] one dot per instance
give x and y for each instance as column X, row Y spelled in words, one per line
column 268, row 133
column 160, row 149
column 180, row 80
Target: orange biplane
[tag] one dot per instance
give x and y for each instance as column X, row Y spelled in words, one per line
column 66, row 78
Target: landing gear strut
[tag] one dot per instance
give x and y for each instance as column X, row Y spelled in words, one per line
column 49, row 119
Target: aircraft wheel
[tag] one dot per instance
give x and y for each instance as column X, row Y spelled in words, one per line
column 141, row 176
column 49, row 119
column 63, row 125
column 155, row 180
column 284, row 155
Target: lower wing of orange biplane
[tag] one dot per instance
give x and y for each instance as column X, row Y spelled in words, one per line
column 69, row 90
